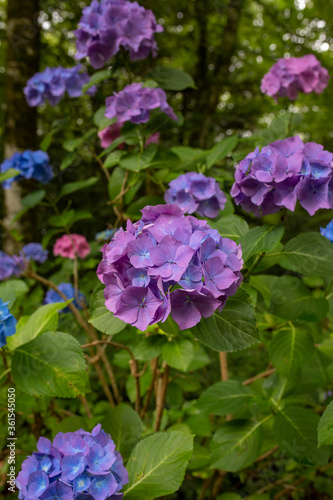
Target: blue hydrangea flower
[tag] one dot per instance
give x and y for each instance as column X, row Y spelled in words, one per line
column 9, row 266
column 36, row 252
column 31, row 164
column 106, row 235
column 7, row 323
column 52, row 84
column 77, row 465
column 327, row 231
column 67, row 289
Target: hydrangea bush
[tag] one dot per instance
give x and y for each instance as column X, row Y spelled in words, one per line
column 201, row 343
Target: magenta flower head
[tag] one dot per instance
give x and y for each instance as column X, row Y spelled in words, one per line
column 135, row 102
column 194, row 192
column 52, row 84
column 287, row 77
column 76, row 465
column 71, row 246
column 109, row 25
column 168, row 263
column 282, row 173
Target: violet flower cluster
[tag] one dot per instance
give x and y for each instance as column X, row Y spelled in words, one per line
column 110, row 25
column 135, row 102
column 52, row 84
column 287, row 77
column 168, row 263
column 194, row 192
column 282, row 173
column 7, row 323
column 31, row 165
column 77, row 465
column 67, row 289
column 15, row 265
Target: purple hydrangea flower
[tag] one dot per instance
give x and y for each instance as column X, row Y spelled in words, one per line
column 67, row 289
column 282, row 173
column 109, row 25
column 135, row 102
column 194, row 192
column 31, row 164
column 52, row 84
column 287, row 77
column 168, row 263
column 7, row 323
column 77, row 465
column 327, row 231
column 35, row 251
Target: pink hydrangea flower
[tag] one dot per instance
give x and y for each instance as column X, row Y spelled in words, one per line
column 112, row 132
column 72, row 246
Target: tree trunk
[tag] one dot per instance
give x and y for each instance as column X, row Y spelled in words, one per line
column 23, row 35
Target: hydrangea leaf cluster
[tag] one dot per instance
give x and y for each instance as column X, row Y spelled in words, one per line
column 14, row 265
column 52, row 84
column 77, row 465
column 287, row 77
column 282, row 173
column 7, row 323
column 135, row 102
column 71, row 246
column 168, row 263
column 110, row 25
column 327, row 231
column 31, row 164
column 194, row 192
column 67, row 289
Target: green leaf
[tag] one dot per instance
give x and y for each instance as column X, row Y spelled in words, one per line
column 73, row 144
column 231, row 226
column 68, row 160
column 32, row 199
column 10, row 290
column 113, row 159
column 290, row 348
column 178, row 353
column 139, row 161
column 172, row 78
column 295, row 431
column 224, row 398
column 125, row 427
column 101, row 318
column 291, row 299
column 232, row 329
column 200, row 458
column 310, row 254
column 72, row 187
column 11, row 172
column 97, row 77
column 325, row 427
column 116, row 182
column 51, row 365
column 44, row 319
column 237, row 444
column 260, row 239
column 221, row 150
column 67, row 219
column 157, row 465
column 149, row 347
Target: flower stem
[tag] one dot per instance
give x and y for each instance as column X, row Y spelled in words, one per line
column 160, row 399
